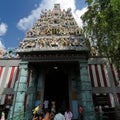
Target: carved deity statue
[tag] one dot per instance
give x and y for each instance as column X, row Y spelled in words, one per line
column 2, row 52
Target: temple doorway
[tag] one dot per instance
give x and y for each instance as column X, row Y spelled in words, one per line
column 56, row 89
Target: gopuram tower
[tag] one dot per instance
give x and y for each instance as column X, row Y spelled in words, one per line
column 54, row 65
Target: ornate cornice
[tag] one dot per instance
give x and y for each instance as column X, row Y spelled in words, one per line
column 55, row 56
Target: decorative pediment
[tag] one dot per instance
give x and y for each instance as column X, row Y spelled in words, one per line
column 55, row 29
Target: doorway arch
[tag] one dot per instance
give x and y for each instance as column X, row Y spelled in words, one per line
column 56, row 88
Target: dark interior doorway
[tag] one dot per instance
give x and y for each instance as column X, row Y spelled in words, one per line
column 56, row 89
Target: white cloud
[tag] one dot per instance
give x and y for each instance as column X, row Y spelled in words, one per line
column 1, row 45
column 77, row 14
column 27, row 22
column 3, row 29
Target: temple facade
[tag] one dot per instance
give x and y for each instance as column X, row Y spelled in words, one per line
column 52, row 62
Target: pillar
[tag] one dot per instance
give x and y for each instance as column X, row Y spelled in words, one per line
column 20, row 91
column 31, row 93
column 85, row 93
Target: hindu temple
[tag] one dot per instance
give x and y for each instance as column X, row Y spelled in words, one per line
column 52, row 61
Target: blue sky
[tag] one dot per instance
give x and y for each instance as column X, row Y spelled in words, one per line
column 18, row 16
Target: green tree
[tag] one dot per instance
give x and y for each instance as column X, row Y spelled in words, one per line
column 101, row 23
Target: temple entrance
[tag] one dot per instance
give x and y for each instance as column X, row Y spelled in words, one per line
column 56, row 89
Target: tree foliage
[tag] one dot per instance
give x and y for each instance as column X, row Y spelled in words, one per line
column 102, row 26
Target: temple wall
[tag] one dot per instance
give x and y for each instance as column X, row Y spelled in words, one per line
column 99, row 74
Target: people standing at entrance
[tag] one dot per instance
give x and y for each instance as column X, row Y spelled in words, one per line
column 46, row 103
column 35, row 116
column 80, row 116
column 37, row 110
column 59, row 115
column 68, row 115
column 53, row 106
column 52, row 115
column 47, row 115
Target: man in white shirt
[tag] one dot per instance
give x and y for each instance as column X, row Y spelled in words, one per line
column 59, row 116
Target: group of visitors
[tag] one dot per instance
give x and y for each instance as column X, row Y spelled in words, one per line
column 42, row 112
column 51, row 115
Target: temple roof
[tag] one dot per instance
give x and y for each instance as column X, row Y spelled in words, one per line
column 56, row 29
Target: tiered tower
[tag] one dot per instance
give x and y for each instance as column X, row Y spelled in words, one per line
column 55, row 29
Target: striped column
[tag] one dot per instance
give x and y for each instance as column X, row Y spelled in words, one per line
column 85, row 93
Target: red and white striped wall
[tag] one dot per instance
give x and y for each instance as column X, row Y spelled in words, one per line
column 99, row 77
column 8, row 77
